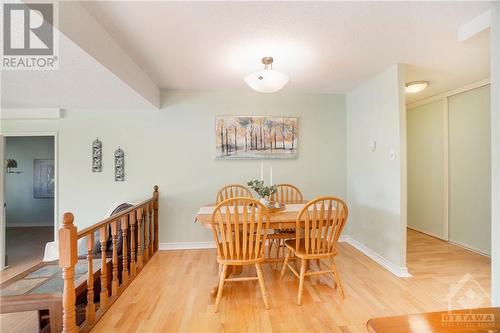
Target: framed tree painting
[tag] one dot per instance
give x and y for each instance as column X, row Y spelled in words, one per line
column 43, row 179
column 256, row 137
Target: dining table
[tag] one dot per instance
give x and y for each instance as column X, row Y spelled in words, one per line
column 283, row 219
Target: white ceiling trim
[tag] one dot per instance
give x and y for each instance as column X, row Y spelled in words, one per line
column 475, row 26
column 41, row 113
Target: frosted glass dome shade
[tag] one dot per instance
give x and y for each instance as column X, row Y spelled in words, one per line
column 267, row 81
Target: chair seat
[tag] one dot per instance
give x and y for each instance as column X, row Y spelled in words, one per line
column 300, row 252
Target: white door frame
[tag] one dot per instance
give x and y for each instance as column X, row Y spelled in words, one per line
column 54, row 134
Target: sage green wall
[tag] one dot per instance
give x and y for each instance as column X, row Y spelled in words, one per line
column 174, row 147
column 22, row 208
column 495, row 149
column 470, row 169
column 425, row 135
column 376, row 183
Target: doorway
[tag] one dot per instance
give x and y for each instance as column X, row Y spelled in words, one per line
column 449, row 186
column 449, row 167
column 30, row 190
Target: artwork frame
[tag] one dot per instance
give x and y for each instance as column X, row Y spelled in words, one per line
column 43, row 178
column 242, row 137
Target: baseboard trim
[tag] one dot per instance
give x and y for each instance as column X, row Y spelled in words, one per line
column 344, row 238
column 396, row 270
column 456, row 243
column 186, row 246
column 427, row 233
column 469, row 248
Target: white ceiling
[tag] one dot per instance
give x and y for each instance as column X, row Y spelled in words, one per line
column 79, row 82
column 325, row 47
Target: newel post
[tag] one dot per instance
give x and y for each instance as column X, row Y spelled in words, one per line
column 156, row 195
column 68, row 257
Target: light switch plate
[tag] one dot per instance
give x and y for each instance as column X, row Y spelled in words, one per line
column 392, row 155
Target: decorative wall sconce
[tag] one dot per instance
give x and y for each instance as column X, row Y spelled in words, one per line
column 11, row 164
column 97, row 155
column 119, row 165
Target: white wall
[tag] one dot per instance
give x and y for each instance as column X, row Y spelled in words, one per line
column 377, row 185
column 425, row 168
column 174, row 148
column 81, row 27
column 470, row 169
column 2, row 201
column 22, row 208
column 495, row 154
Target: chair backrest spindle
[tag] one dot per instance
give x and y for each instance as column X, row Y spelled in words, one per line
column 287, row 194
column 240, row 227
column 233, row 191
column 321, row 221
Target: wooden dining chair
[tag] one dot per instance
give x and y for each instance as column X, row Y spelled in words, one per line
column 320, row 222
column 286, row 194
column 240, row 228
column 232, row 191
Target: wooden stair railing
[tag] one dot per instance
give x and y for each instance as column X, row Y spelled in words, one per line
column 139, row 221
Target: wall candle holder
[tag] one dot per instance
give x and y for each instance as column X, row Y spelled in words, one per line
column 119, row 165
column 97, row 155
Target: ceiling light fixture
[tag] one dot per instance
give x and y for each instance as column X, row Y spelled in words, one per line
column 268, row 80
column 416, row 86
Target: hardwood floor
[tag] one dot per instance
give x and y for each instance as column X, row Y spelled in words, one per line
column 172, row 293
column 434, row 262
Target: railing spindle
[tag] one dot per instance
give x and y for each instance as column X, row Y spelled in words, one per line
column 145, row 232
column 125, row 249
column 68, row 258
column 114, row 238
column 103, row 237
column 139, row 240
column 90, row 309
column 132, row 243
column 150, row 233
column 155, row 207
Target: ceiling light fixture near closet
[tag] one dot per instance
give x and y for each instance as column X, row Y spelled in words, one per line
column 268, row 80
column 416, row 86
